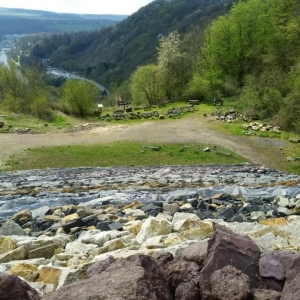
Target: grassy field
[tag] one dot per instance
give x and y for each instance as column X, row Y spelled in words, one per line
column 133, row 153
column 122, row 154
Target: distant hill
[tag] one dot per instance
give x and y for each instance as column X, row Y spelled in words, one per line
column 23, row 21
column 111, row 54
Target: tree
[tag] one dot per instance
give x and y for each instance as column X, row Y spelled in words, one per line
column 80, row 96
column 145, row 85
column 173, row 65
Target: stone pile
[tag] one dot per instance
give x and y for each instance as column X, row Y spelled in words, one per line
column 150, row 233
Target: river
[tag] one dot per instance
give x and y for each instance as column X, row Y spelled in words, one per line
column 3, row 56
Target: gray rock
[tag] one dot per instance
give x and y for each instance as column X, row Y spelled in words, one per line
column 39, row 213
column 11, row 228
column 283, row 211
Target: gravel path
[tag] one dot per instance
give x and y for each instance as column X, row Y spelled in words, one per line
column 186, row 130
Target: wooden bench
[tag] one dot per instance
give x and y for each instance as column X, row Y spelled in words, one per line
column 194, row 102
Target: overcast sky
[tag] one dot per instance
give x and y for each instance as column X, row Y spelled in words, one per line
column 120, row 7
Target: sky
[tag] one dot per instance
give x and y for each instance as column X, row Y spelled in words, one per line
column 118, row 7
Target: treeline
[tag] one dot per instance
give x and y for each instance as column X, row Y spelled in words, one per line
column 110, row 55
column 30, row 91
column 251, row 54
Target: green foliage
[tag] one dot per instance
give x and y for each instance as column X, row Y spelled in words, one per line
column 110, row 55
column 25, row 92
column 146, row 86
column 40, row 108
column 79, row 96
column 173, row 66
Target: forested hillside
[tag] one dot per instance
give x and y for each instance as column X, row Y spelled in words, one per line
column 247, row 52
column 111, row 54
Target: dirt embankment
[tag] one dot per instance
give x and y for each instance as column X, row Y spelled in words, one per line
column 187, row 130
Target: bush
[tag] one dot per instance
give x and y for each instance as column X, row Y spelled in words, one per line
column 40, row 108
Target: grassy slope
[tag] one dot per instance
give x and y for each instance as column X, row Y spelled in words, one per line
column 126, row 153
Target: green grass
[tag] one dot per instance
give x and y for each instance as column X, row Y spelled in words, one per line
column 121, row 154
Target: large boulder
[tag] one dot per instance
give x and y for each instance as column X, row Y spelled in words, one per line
column 136, row 277
column 196, row 253
column 12, row 287
column 180, row 271
column 230, row 283
column 187, row 291
column 227, row 248
column 99, row 266
column 292, row 291
column 270, row 266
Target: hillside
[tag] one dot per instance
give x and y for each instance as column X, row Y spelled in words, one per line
column 111, row 54
column 23, row 21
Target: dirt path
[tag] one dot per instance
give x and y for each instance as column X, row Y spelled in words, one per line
column 187, row 130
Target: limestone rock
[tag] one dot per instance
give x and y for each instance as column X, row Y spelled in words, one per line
column 45, row 251
column 114, row 244
column 25, row 270
column 49, row 275
column 274, row 222
column 24, row 215
column 6, row 244
column 17, row 254
column 134, row 277
column 133, row 226
column 186, row 221
column 12, row 287
column 153, row 227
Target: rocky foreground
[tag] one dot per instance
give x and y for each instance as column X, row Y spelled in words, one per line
column 176, row 232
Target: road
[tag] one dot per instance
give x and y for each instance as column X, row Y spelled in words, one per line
column 62, row 73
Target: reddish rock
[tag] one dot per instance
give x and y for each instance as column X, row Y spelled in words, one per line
column 265, row 295
column 136, row 277
column 162, row 258
column 292, row 291
column 227, row 248
column 229, row 283
column 179, row 271
column 291, row 274
column 187, row 291
column 270, row 284
column 196, row 253
column 99, row 266
column 270, row 266
column 13, row 288
column 288, row 258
